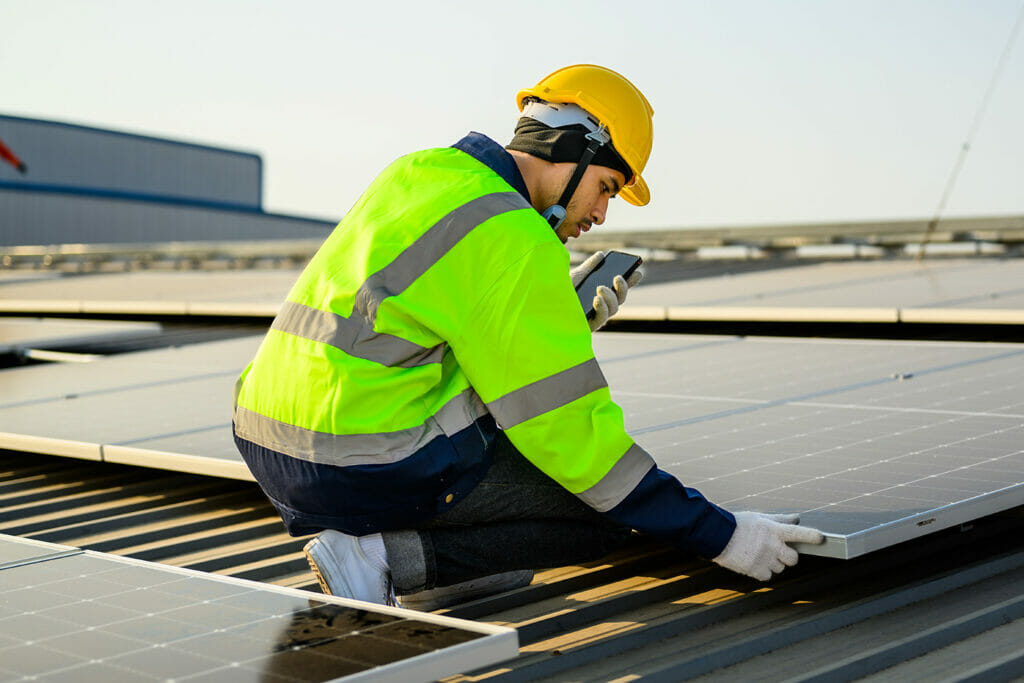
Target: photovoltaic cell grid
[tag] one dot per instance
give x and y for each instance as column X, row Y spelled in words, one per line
column 952, row 291
column 974, row 290
column 91, row 617
column 872, row 442
column 169, row 408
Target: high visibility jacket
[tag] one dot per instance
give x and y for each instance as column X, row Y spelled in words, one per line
column 439, row 306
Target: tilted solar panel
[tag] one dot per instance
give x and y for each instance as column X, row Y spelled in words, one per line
column 90, row 616
column 874, row 442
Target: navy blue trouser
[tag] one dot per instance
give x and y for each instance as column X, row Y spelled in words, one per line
column 516, row 518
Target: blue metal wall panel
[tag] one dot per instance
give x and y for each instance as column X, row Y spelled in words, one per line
column 60, row 155
column 43, row 218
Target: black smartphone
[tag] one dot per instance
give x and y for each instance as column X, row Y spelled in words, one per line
column 614, row 263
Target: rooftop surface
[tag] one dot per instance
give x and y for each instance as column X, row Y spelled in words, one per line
column 945, row 605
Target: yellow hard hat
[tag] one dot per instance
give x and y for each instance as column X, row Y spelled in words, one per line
column 617, row 104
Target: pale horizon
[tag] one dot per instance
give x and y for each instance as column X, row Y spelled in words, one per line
column 765, row 113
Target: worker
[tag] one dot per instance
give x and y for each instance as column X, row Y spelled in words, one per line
column 427, row 398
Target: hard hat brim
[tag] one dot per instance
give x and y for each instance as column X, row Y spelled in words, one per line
column 636, row 193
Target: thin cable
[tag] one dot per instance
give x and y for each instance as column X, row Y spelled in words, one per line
column 979, row 115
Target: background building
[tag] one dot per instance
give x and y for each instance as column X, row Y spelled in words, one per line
column 86, row 185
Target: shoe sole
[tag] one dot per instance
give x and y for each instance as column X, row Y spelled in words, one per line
column 316, row 569
column 387, row 599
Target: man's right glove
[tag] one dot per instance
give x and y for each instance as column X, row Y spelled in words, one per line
column 606, row 301
column 758, row 546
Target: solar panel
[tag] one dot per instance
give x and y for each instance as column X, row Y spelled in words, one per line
column 235, row 292
column 18, row 334
column 56, row 382
column 91, row 616
column 130, row 408
column 874, row 442
column 985, row 290
column 949, row 291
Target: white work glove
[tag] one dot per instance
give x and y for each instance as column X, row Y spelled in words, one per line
column 606, row 302
column 758, row 546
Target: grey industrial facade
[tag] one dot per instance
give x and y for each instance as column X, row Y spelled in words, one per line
column 86, row 185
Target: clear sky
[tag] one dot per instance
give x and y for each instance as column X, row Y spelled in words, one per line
column 766, row 111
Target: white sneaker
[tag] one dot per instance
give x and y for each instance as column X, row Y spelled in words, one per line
column 446, row 596
column 343, row 570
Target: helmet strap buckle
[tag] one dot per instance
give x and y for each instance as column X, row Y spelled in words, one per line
column 555, row 214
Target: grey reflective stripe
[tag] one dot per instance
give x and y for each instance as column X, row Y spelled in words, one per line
column 621, row 479
column 460, row 412
column 353, row 336
column 428, row 249
column 346, row 450
column 546, row 394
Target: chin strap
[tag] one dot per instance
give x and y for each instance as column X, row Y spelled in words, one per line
column 555, row 214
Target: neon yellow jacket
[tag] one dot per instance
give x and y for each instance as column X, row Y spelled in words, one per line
column 443, row 298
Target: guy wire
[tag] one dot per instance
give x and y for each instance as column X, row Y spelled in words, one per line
column 975, row 125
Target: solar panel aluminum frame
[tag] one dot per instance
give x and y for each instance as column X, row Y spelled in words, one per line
column 29, row 443
column 177, row 462
column 46, row 551
column 849, row 546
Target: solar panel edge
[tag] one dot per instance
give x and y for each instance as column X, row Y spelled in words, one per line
column 67, row 448
column 975, row 316
column 836, row 546
column 177, row 462
column 48, row 551
column 935, row 520
column 41, row 558
column 440, row 619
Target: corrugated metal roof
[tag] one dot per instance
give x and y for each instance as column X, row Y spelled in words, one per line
column 949, row 606
column 945, row 607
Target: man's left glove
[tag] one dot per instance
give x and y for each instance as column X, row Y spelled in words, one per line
column 606, row 301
